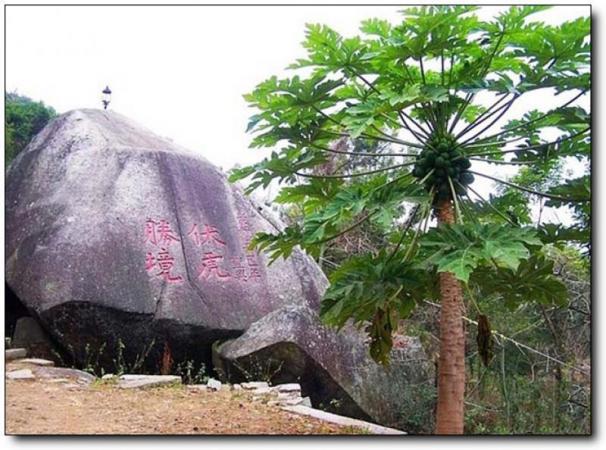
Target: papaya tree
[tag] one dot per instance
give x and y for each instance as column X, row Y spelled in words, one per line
column 438, row 91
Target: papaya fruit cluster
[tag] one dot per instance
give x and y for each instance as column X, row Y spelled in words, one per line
column 440, row 160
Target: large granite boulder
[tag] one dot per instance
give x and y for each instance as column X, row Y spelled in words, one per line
column 333, row 368
column 131, row 252
column 118, row 238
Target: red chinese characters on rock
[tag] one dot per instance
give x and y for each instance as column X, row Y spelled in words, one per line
column 161, row 264
column 248, row 271
column 159, row 232
column 208, row 235
column 165, row 262
column 211, row 262
column 209, row 266
column 244, row 224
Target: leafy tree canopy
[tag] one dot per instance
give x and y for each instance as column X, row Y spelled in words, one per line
column 415, row 86
column 23, row 119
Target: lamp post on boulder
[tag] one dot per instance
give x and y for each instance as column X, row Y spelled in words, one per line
column 107, row 96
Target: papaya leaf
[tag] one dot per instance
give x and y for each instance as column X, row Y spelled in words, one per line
column 533, row 281
column 460, row 249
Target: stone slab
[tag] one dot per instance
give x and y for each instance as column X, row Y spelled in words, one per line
column 197, row 387
column 288, row 387
column 64, row 372
column 38, row 362
column 262, row 391
column 213, row 384
column 341, row 420
column 22, row 374
column 250, row 385
column 148, row 381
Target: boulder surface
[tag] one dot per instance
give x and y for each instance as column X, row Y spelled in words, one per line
column 118, row 237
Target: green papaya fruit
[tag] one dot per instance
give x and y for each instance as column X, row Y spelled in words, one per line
column 467, row 178
column 464, row 163
column 440, row 162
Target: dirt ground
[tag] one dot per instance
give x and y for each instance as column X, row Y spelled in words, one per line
column 43, row 406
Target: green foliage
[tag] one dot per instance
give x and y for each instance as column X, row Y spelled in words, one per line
column 461, row 249
column 522, row 391
column 575, row 188
column 380, row 287
column 376, row 199
column 190, row 374
column 411, row 86
column 23, row 119
column 533, row 280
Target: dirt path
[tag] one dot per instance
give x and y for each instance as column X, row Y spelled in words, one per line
column 43, row 406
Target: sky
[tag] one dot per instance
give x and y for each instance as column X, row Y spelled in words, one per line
column 182, row 71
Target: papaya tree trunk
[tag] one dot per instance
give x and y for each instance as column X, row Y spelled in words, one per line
column 451, row 365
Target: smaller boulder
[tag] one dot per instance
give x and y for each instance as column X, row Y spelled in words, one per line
column 306, row 402
column 332, row 367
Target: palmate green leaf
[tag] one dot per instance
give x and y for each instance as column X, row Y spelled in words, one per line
column 461, row 262
column 378, row 288
column 240, row 173
column 461, row 249
column 378, row 27
column 328, row 51
column 568, row 144
column 533, row 282
column 316, row 190
column 515, row 17
column 377, row 198
column 576, row 188
column 513, row 203
column 281, row 167
column 551, row 233
column 569, row 119
column 428, row 29
column 291, row 108
column 277, row 245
